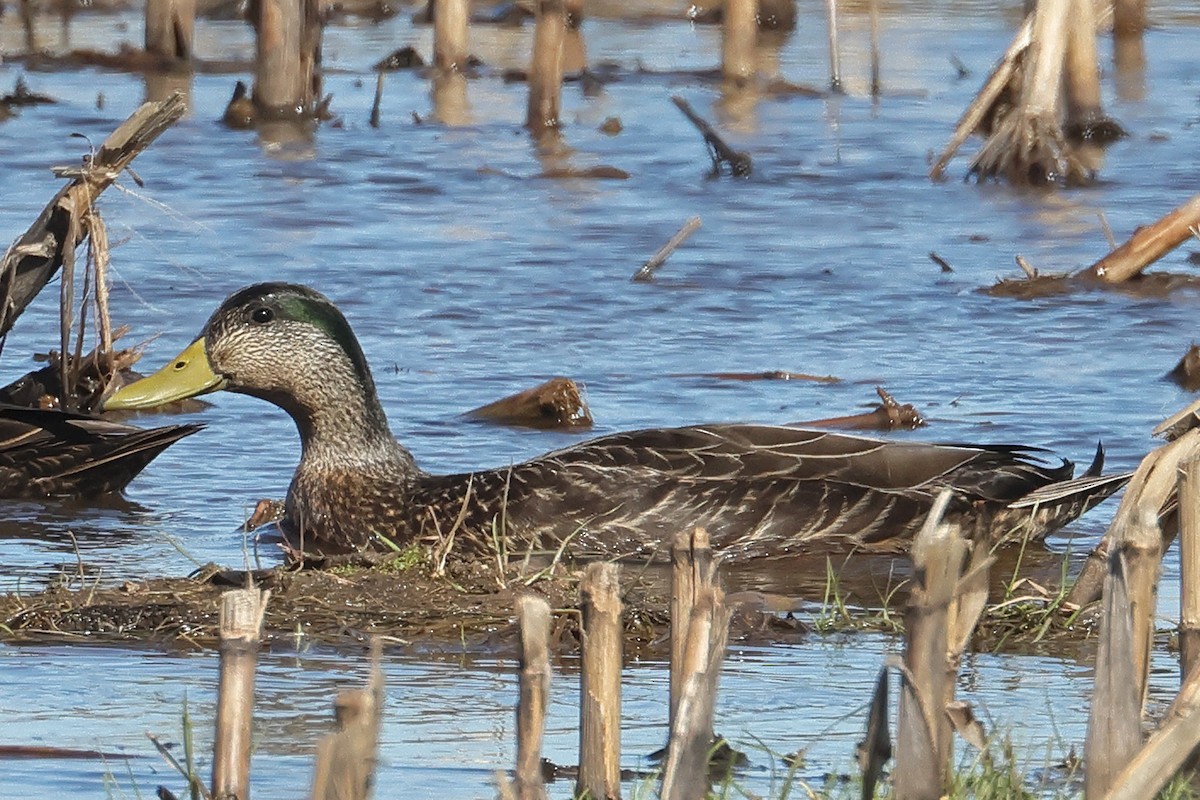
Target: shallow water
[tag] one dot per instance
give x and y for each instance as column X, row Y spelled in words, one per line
column 467, row 278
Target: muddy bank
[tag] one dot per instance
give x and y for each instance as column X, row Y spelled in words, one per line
column 471, row 606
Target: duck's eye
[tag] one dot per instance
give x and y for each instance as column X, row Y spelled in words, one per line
column 262, row 315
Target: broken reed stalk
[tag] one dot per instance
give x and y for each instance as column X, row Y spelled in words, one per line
column 545, row 71
column 1148, row 244
column 600, row 684
column 646, row 273
column 1084, row 109
column 873, row 15
column 835, row 56
column 923, row 732
column 1135, row 545
column 98, row 244
column 982, row 106
column 66, row 308
column 876, row 747
column 1129, row 18
column 574, row 47
column 39, row 253
column 685, row 772
column 169, row 29
column 1027, row 145
column 533, row 616
column 345, row 763
column 739, row 40
column 448, row 90
column 1114, row 721
column 1169, row 749
column 1151, row 487
column 450, row 18
column 1189, row 567
column 286, row 77
column 691, row 570
column 241, row 621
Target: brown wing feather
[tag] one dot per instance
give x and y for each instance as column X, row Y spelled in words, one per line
column 44, row 453
column 760, row 490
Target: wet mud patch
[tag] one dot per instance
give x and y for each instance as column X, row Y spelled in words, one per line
column 346, row 605
column 471, row 607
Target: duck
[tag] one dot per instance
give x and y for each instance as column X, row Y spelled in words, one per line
column 53, row 453
column 760, row 490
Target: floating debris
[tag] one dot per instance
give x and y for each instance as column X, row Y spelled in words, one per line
column 739, row 163
column 557, row 403
column 887, row 416
column 1187, row 372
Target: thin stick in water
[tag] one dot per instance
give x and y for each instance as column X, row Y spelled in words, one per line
column 739, row 163
column 646, row 273
column 835, row 57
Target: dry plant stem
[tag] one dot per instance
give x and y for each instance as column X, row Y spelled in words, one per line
column 1050, row 33
column 876, row 748
column 685, row 773
column 923, row 732
column 39, row 253
column 739, row 163
column 876, row 82
column 738, row 41
column 1189, row 568
column 169, row 28
column 66, row 306
column 835, row 57
column 241, row 621
column 99, row 246
column 450, row 19
column 1148, row 244
column 545, row 72
column 1127, row 625
column 1167, row 751
column 691, row 570
column 646, row 273
column 600, row 684
column 533, row 615
column 287, row 56
column 574, row 46
column 1027, row 145
column 1129, row 18
column 981, row 106
column 1083, row 66
column 1150, row 488
column 346, row 759
column 1114, row 724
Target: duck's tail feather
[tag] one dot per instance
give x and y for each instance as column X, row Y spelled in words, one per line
column 1091, row 487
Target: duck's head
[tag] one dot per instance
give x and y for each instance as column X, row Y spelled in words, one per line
column 281, row 342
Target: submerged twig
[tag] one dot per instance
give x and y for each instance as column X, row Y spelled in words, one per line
column 646, row 273
column 739, row 163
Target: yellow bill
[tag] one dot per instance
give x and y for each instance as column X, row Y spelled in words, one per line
column 186, row 375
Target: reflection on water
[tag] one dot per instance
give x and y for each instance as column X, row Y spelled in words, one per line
column 464, row 278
